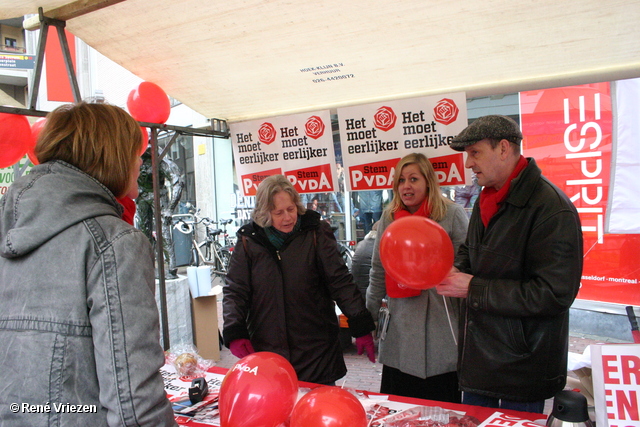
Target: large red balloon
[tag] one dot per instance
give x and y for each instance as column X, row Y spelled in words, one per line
column 260, row 390
column 328, row 407
column 15, row 138
column 149, row 103
column 35, row 132
column 416, row 252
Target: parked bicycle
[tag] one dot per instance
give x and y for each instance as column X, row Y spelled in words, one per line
column 346, row 249
column 209, row 251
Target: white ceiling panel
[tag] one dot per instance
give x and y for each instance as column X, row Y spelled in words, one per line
column 239, row 60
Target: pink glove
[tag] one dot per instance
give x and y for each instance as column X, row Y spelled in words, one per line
column 241, row 347
column 365, row 343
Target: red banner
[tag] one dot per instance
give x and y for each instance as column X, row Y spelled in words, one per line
column 251, row 181
column 315, row 179
column 569, row 133
column 370, row 176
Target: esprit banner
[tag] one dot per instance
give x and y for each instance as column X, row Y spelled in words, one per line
column 569, row 133
column 298, row 146
column 375, row 136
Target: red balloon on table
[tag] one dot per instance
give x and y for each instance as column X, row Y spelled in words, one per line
column 416, row 252
column 149, row 103
column 36, row 128
column 260, row 390
column 15, row 138
column 328, row 407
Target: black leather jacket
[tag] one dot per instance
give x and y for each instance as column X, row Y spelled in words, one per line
column 527, row 266
column 283, row 300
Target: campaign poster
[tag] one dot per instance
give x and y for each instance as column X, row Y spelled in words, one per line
column 616, row 384
column 298, row 146
column 569, row 132
column 375, row 136
column 8, row 175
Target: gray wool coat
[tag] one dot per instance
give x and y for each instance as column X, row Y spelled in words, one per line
column 422, row 334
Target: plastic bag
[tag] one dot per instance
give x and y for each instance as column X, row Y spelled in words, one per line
column 187, row 361
column 430, row 416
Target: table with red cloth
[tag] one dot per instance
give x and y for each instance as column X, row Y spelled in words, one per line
column 177, row 390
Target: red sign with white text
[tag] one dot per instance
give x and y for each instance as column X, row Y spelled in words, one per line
column 251, row 181
column 569, row 133
column 370, row 176
column 317, row 179
column 449, row 169
column 616, row 383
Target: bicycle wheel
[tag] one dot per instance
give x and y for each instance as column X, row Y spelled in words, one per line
column 225, row 256
column 347, row 256
column 195, row 259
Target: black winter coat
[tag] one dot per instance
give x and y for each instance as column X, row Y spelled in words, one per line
column 283, row 300
column 526, row 268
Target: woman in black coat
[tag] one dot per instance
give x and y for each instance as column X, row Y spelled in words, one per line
column 284, row 276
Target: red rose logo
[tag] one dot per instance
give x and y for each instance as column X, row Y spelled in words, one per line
column 384, row 119
column 314, row 128
column 267, row 133
column 446, row 111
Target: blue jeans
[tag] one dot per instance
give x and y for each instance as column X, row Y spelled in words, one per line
column 494, row 402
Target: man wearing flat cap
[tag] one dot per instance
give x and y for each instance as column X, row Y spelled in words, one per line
column 518, row 271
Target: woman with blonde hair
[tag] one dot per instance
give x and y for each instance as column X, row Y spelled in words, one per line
column 419, row 350
column 78, row 317
column 284, row 276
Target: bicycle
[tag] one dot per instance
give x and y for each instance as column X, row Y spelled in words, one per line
column 346, row 249
column 209, row 251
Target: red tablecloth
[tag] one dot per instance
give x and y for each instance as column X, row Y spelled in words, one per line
column 481, row 413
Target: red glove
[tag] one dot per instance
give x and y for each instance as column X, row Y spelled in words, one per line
column 365, row 343
column 241, row 347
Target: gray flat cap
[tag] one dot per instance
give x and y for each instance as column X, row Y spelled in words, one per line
column 492, row 127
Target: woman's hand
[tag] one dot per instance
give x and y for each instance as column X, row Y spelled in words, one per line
column 365, row 343
column 241, row 347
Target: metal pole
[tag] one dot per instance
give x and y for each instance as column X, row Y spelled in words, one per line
column 42, row 42
column 71, row 72
column 157, row 215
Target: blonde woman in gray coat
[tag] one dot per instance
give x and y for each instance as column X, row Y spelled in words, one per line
column 419, row 350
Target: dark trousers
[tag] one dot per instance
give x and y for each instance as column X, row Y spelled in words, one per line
column 443, row 388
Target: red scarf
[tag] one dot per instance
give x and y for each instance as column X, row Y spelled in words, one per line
column 394, row 289
column 129, row 206
column 491, row 199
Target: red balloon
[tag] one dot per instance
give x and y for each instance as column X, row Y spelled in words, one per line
column 416, row 252
column 260, row 390
column 15, row 138
column 35, row 132
column 145, row 139
column 328, row 407
column 149, row 103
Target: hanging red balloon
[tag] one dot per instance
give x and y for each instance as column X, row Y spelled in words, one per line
column 145, row 139
column 328, row 407
column 149, row 103
column 35, row 132
column 260, row 390
column 416, row 252
column 15, row 138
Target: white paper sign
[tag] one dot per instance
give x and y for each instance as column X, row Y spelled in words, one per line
column 375, row 136
column 299, row 146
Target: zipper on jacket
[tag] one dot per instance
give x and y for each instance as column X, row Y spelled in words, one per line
column 278, row 255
